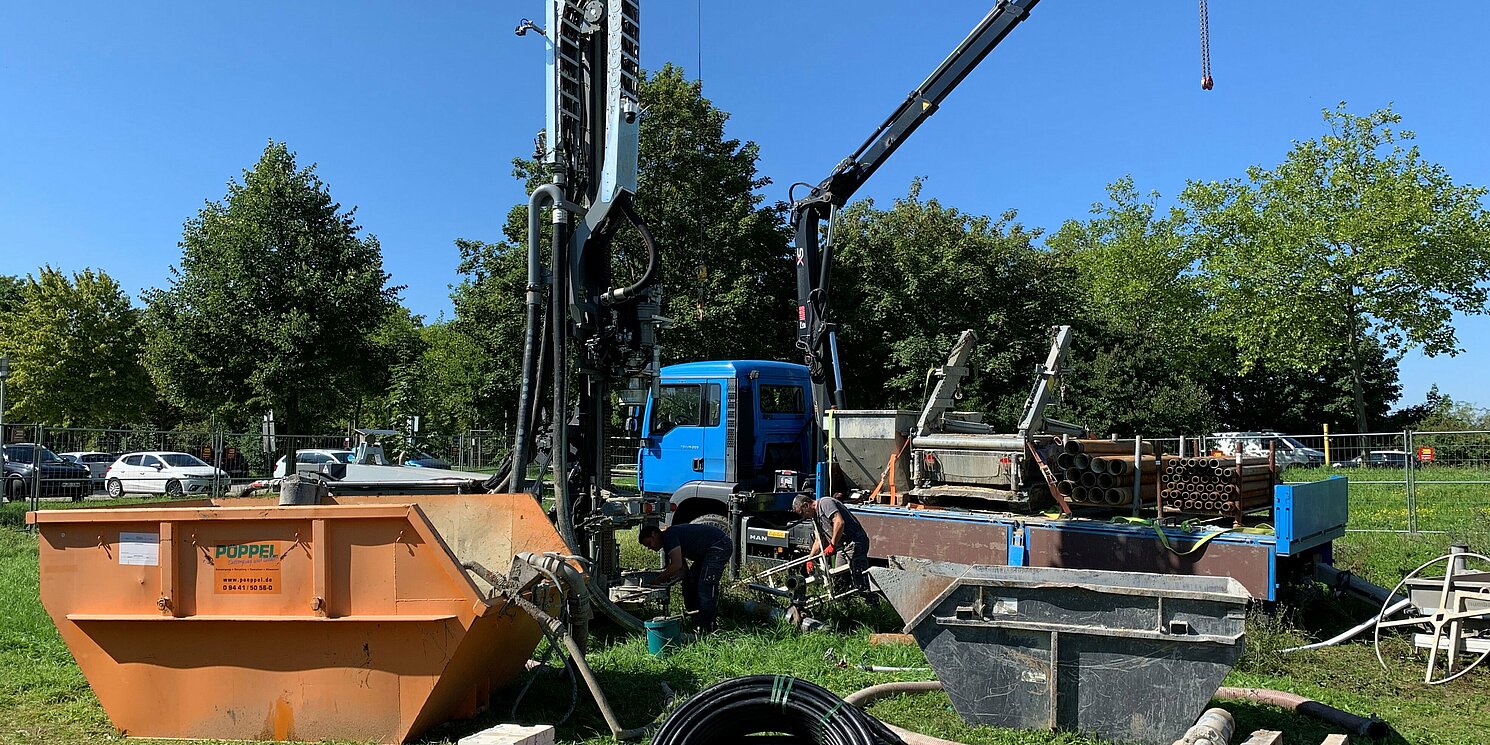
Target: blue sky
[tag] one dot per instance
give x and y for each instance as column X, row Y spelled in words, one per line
column 117, row 120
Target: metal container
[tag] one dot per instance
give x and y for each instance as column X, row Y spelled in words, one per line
column 239, row 619
column 1126, row 656
column 864, row 442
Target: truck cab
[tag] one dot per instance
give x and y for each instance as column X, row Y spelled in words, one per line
column 714, row 430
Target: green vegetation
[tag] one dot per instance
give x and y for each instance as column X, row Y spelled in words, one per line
column 74, row 343
column 274, row 304
column 1354, row 231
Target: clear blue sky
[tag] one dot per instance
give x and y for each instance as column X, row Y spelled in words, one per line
column 117, row 120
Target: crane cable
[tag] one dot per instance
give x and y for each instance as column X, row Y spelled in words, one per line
column 1206, row 83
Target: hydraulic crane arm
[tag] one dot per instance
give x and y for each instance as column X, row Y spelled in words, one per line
column 813, row 255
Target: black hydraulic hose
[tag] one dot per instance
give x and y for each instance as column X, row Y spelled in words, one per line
column 621, row 295
column 731, row 711
column 552, row 194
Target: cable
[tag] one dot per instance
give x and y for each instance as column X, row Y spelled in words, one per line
column 730, row 711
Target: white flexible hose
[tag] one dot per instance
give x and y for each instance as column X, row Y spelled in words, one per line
column 1351, row 632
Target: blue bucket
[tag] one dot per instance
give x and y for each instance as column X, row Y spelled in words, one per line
column 663, row 633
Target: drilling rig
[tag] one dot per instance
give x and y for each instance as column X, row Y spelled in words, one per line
column 590, row 336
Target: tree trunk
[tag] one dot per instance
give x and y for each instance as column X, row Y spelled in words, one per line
column 1357, row 387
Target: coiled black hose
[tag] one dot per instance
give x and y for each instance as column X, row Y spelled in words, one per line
column 732, row 711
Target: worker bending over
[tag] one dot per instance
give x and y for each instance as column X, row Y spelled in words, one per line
column 707, row 550
column 835, row 525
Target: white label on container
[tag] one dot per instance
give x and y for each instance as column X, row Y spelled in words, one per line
column 139, row 549
column 1004, row 606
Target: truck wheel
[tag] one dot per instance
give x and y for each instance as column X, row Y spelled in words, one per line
column 115, row 488
column 15, row 489
column 718, row 521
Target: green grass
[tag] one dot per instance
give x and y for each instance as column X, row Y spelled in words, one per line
column 44, row 699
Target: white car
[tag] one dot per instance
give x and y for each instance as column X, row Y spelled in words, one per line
column 96, row 461
column 162, row 472
column 312, row 457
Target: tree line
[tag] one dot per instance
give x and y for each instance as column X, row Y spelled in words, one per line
column 1281, row 298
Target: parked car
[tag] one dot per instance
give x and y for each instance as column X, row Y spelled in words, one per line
column 162, row 472
column 59, row 478
column 97, row 462
column 311, row 458
column 1299, row 454
column 1377, row 459
column 1287, row 451
column 416, row 459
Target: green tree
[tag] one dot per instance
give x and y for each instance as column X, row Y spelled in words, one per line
column 1291, row 400
column 274, row 304
column 1353, row 236
column 1142, row 352
column 911, row 278
column 727, row 279
column 1115, row 384
column 75, row 347
column 10, row 292
column 1135, row 269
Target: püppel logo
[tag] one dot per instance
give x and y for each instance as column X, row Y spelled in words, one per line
column 245, row 551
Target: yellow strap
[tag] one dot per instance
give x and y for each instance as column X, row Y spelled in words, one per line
column 1263, row 529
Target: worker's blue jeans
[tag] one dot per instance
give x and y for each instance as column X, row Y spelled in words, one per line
column 701, row 584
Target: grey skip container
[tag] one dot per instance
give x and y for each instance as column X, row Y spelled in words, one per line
column 1126, row 656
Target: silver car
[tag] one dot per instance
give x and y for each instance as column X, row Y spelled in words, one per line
column 97, row 462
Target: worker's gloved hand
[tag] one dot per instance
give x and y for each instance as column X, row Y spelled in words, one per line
column 828, row 550
column 810, row 566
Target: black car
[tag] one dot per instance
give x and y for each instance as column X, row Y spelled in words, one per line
column 1377, row 459
column 59, row 478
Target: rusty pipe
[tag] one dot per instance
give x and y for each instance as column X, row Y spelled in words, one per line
column 1370, row 727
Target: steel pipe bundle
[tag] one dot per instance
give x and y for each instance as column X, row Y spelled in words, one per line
column 1216, row 486
column 1101, row 473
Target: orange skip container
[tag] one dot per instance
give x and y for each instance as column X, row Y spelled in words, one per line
column 239, row 619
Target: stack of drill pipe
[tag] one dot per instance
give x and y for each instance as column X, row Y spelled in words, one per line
column 1216, row 485
column 1101, row 473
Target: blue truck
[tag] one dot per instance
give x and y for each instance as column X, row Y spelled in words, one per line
column 721, row 432
column 731, row 443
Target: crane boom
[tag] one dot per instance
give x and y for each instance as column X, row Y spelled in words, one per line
column 814, row 255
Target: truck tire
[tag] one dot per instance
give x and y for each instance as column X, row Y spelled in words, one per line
column 718, row 521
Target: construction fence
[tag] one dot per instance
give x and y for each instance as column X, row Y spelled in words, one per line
column 221, row 462
column 234, row 460
column 1400, row 482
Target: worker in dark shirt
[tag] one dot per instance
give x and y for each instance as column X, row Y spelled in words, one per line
column 706, row 550
column 835, row 527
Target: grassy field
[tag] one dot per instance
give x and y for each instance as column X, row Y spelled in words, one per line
column 1450, row 509
column 44, row 698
